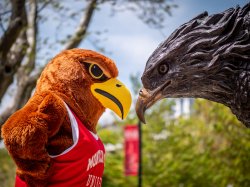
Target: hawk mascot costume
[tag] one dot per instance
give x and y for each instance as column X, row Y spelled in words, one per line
column 52, row 139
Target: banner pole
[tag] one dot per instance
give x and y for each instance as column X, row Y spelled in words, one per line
column 140, row 156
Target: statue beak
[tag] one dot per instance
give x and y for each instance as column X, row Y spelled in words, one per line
column 114, row 95
column 145, row 100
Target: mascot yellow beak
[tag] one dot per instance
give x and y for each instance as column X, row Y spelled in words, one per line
column 114, row 95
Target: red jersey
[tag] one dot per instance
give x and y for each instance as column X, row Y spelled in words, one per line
column 82, row 164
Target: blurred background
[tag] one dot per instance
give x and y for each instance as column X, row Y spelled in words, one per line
column 186, row 142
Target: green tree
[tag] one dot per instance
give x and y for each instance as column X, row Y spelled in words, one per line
column 209, row 148
column 7, row 170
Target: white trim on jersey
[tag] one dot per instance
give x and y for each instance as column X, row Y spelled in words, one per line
column 75, row 132
column 94, row 135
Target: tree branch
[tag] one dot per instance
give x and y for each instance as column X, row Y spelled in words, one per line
column 15, row 26
column 43, row 6
column 12, row 45
column 5, row 12
column 29, row 63
column 81, row 30
column 15, row 58
column 25, row 82
column 1, row 26
column 23, row 93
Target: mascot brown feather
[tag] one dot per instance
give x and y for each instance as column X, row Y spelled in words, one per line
column 52, row 139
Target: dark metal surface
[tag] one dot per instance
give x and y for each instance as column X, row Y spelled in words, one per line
column 140, row 155
column 207, row 57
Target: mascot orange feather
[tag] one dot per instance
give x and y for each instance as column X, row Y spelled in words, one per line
column 52, row 139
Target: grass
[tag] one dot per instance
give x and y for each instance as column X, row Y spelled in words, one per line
column 7, row 169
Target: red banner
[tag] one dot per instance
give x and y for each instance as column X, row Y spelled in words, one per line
column 131, row 150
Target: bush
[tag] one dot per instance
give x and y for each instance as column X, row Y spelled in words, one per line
column 7, row 169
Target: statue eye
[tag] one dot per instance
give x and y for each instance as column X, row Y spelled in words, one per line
column 95, row 71
column 163, row 69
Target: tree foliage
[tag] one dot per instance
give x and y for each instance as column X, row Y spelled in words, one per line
column 7, row 170
column 209, row 148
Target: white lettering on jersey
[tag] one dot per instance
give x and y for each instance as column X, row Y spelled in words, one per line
column 97, row 158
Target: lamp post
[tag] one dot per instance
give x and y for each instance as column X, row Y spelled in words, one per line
column 140, row 156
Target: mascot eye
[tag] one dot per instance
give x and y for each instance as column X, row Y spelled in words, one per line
column 163, row 69
column 96, row 72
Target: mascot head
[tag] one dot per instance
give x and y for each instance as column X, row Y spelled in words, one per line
column 86, row 81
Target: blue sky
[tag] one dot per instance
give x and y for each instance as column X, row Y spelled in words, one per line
column 131, row 41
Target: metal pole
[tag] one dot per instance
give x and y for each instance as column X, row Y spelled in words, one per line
column 140, row 156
